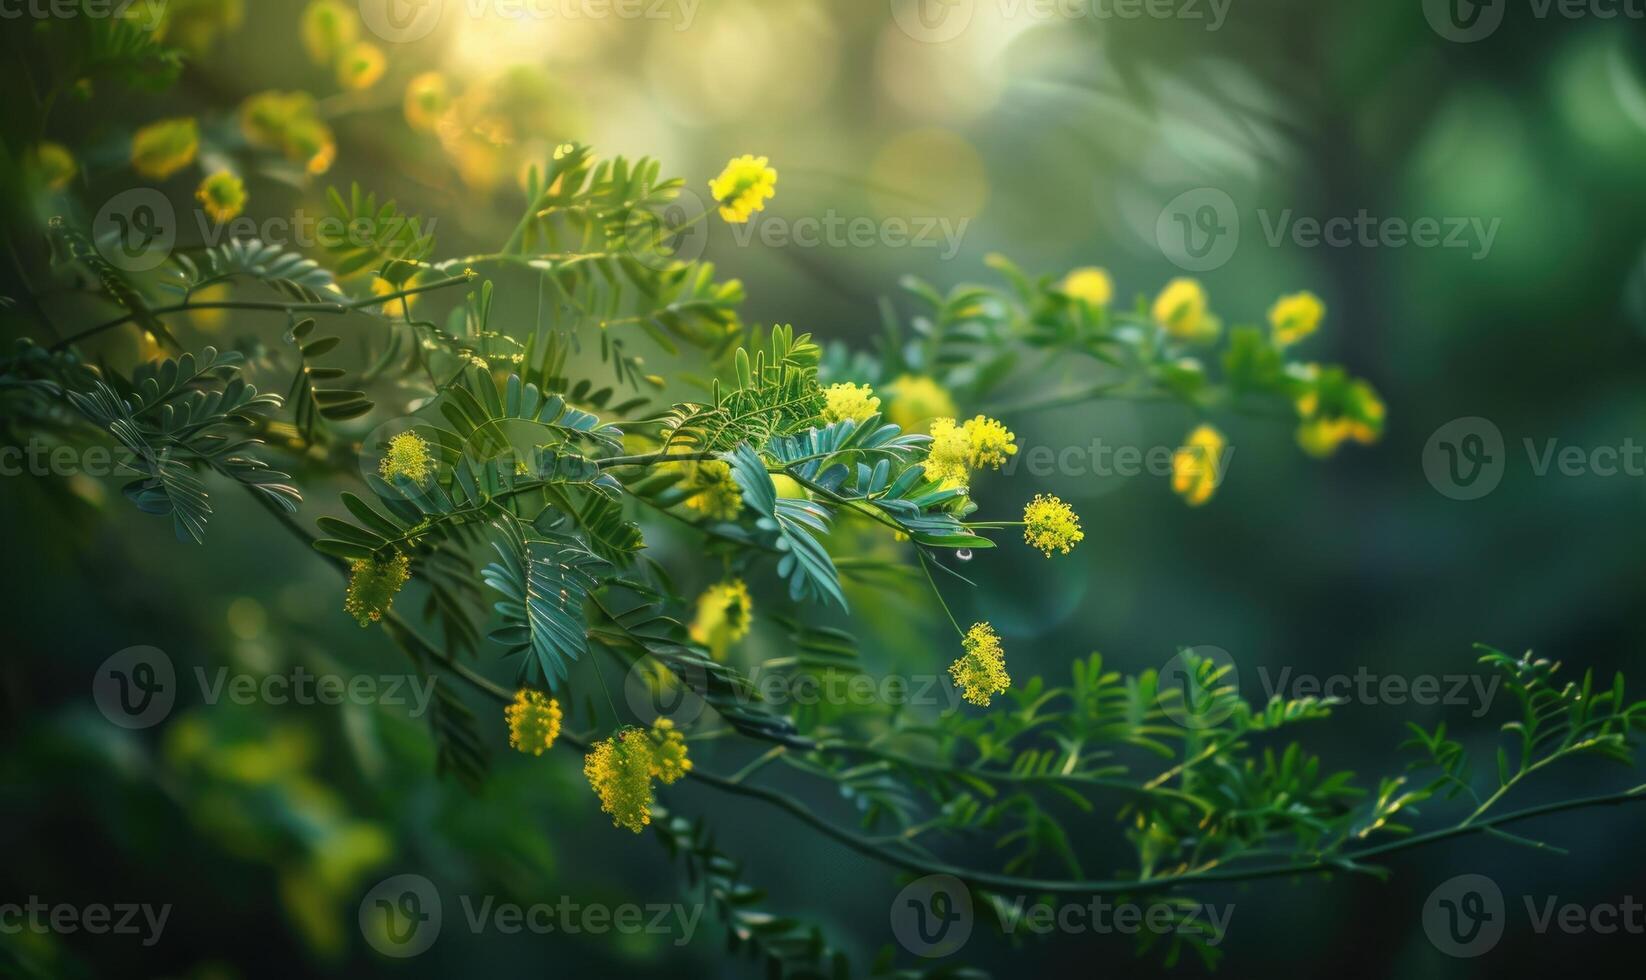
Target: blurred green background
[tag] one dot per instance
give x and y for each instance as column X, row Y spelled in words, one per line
column 1056, row 141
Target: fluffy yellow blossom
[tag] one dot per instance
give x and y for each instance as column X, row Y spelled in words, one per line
column 373, row 584
column 534, row 721
column 957, row 449
column 980, row 672
column 669, row 762
column 713, row 492
column 916, row 400
column 407, row 456
column 161, row 149
column 724, row 615
column 849, row 401
column 947, row 455
column 1335, row 409
column 1295, row 316
column 223, row 195
column 1051, row 525
column 620, row 770
column 362, row 66
column 328, row 27
column 427, row 99
column 290, row 122
column 988, row 443
column 1089, row 285
column 1197, row 466
column 1180, row 310
column 743, row 187
column 56, row 165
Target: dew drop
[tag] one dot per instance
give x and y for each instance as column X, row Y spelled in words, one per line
column 964, row 554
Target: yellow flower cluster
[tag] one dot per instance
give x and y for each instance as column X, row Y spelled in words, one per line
column 1051, row 525
column 161, row 149
column 291, row 123
column 1090, row 285
column 713, row 492
column 1181, row 311
column 849, row 401
column 427, row 99
column 407, row 456
column 724, row 615
column 669, row 762
column 223, row 195
column 1335, row 409
column 743, row 187
column 1295, row 316
column 620, row 769
column 916, row 400
column 55, row 164
column 331, row 35
column 1197, row 466
column 957, row 449
column 534, row 721
column 373, row 584
column 980, row 672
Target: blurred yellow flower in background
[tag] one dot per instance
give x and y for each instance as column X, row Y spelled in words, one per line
column 1090, row 285
column 161, row 149
column 223, row 195
column 329, row 28
column 56, row 165
column 1197, row 466
column 915, row 400
column 724, row 616
column 428, row 97
column 1180, row 310
column 743, row 187
column 362, row 66
column 1295, row 316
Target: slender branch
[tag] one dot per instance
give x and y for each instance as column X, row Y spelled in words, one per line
column 403, row 634
column 339, row 307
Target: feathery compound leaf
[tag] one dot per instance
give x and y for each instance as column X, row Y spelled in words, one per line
column 805, row 564
column 545, row 579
